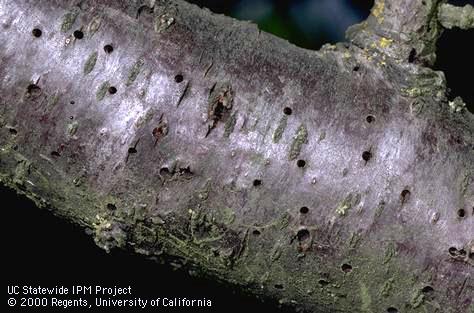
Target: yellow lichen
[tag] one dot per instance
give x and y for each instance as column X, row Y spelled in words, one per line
column 385, row 42
column 378, row 9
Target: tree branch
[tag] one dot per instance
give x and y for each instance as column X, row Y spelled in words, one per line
column 337, row 180
column 452, row 16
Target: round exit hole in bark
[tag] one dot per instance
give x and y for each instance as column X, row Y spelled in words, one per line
column 304, row 210
column 287, row 111
column 366, row 156
column 108, row 49
column 427, row 290
column 301, row 163
column 392, row 310
column 461, row 213
column 33, row 90
column 178, row 78
column 256, row 232
column 111, row 206
column 370, row 119
column 278, row 286
column 257, row 182
column 405, row 195
column 112, row 90
column 303, row 234
column 78, row 34
column 37, row 32
column 346, row 268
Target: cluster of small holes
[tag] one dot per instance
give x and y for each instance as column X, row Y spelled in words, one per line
column 304, row 210
column 112, row 90
column 366, row 156
column 37, row 32
column 108, row 49
column 346, row 268
column 257, row 182
column 301, row 163
column 303, row 234
column 287, row 111
column 178, row 78
column 78, row 34
column 452, row 251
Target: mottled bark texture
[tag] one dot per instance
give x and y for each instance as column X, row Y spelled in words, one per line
column 338, row 180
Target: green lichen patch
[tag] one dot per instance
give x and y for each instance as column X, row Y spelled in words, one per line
column 134, row 71
column 227, row 215
column 390, row 252
column 144, row 119
column 299, row 140
column 417, row 299
column 349, row 202
column 230, row 125
column 90, row 63
column 72, row 128
column 22, row 170
column 387, row 287
column 454, row 16
column 322, row 136
column 94, row 26
column 102, row 91
column 278, row 134
column 108, row 233
column 366, row 299
column 457, row 105
column 203, row 194
column 69, row 19
column 53, row 100
column 163, row 22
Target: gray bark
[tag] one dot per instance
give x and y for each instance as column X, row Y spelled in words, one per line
column 179, row 144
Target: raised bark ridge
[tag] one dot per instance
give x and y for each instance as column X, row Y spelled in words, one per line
column 337, row 180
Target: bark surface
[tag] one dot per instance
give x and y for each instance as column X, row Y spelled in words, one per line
column 338, row 180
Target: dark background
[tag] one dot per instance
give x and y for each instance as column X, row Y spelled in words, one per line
column 39, row 248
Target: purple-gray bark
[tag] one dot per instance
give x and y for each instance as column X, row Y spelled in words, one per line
column 338, row 180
